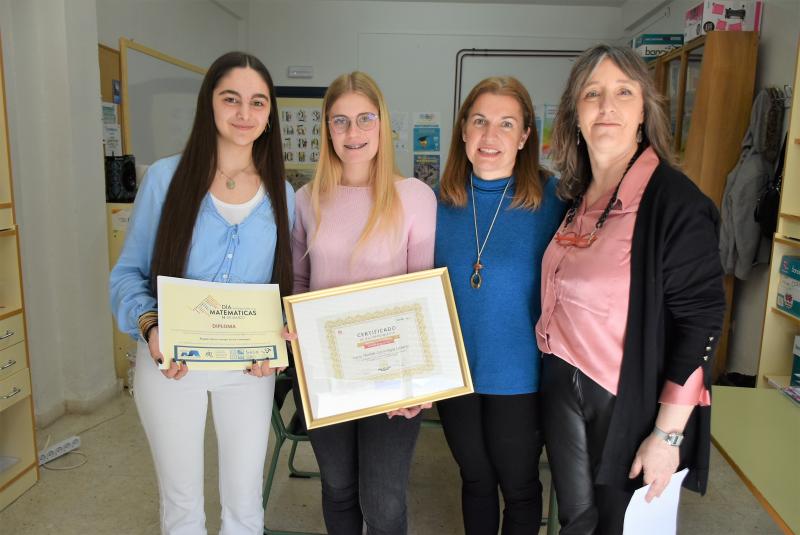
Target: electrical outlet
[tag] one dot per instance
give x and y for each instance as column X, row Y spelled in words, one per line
column 57, row 450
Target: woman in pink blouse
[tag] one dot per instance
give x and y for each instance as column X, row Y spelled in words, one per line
column 632, row 300
column 360, row 220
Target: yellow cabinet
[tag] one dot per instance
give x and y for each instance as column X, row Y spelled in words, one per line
column 19, row 468
column 118, row 215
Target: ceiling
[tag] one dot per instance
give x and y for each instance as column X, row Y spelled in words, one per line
column 594, row 3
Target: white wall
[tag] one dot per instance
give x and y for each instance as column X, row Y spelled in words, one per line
column 52, row 79
column 776, row 62
column 410, row 47
column 196, row 31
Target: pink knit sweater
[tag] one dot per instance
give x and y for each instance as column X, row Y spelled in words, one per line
column 326, row 259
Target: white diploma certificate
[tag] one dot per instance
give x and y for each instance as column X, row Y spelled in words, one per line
column 219, row 326
column 375, row 346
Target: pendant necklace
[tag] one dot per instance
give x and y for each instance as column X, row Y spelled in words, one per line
column 230, row 183
column 476, row 279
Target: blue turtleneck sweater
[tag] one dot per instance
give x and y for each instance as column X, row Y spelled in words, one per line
column 498, row 319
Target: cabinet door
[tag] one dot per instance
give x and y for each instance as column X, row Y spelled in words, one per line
column 693, row 64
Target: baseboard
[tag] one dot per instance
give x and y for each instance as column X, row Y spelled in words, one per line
column 46, row 416
column 91, row 404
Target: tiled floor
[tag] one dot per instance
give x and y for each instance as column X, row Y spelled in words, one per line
column 115, row 491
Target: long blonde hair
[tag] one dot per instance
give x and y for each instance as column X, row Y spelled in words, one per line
column 386, row 210
column 528, row 174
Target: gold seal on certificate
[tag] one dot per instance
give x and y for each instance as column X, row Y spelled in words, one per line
column 376, row 346
column 219, row 326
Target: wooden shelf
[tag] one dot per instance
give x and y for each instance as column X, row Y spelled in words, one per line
column 777, row 381
column 786, row 314
column 787, row 241
column 5, row 205
column 797, row 141
column 9, row 313
column 790, row 216
column 8, row 232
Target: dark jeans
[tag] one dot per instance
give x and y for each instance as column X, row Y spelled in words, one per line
column 576, row 413
column 364, row 466
column 496, row 441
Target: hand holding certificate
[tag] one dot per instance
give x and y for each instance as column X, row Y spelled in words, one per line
column 377, row 346
column 219, row 326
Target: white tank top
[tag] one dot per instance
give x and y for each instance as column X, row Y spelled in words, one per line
column 236, row 213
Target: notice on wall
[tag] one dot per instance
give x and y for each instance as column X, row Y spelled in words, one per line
column 548, row 119
column 400, row 130
column 112, row 140
column 426, row 140
column 426, row 168
column 300, row 129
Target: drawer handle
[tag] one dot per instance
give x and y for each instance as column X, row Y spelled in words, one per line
column 13, row 393
column 8, row 334
column 8, row 364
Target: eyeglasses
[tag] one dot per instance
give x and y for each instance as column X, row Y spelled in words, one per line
column 571, row 238
column 341, row 123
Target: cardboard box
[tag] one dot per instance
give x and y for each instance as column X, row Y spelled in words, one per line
column 794, row 379
column 651, row 45
column 723, row 15
column 789, row 285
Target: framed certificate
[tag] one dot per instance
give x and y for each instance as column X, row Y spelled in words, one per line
column 376, row 346
column 219, row 326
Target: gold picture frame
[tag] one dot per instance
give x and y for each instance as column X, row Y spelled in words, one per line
column 376, row 346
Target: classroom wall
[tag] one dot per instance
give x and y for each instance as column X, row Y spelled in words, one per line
column 196, row 31
column 52, row 77
column 410, row 47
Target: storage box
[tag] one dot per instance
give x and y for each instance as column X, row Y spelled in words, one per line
column 789, row 285
column 651, row 45
column 722, row 15
column 794, row 379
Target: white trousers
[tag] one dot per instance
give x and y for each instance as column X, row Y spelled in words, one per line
column 173, row 414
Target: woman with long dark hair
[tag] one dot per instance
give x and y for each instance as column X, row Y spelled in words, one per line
column 220, row 211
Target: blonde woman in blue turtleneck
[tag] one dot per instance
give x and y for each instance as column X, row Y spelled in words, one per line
column 497, row 213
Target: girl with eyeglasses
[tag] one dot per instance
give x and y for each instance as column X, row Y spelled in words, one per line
column 497, row 212
column 359, row 220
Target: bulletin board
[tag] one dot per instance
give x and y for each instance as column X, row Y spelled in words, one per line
column 159, row 97
column 300, row 110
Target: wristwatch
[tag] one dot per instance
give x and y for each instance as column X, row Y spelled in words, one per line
column 673, row 439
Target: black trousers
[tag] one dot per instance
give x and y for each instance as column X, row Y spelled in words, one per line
column 496, row 440
column 576, row 413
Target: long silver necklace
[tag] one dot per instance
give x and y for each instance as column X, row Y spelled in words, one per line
column 476, row 279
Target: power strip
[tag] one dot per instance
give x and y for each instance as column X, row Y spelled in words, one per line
column 57, row 450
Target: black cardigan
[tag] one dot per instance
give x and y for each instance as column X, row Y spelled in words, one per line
column 675, row 316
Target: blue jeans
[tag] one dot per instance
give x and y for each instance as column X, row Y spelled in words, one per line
column 364, row 466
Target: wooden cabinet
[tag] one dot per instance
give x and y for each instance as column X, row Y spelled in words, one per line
column 780, row 328
column 19, row 467
column 118, row 215
column 709, row 85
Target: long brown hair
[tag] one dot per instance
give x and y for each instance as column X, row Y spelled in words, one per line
column 528, row 174
column 195, row 173
column 572, row 159
column 386, row 210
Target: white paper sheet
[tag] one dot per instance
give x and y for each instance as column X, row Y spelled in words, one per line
column 660, row 516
